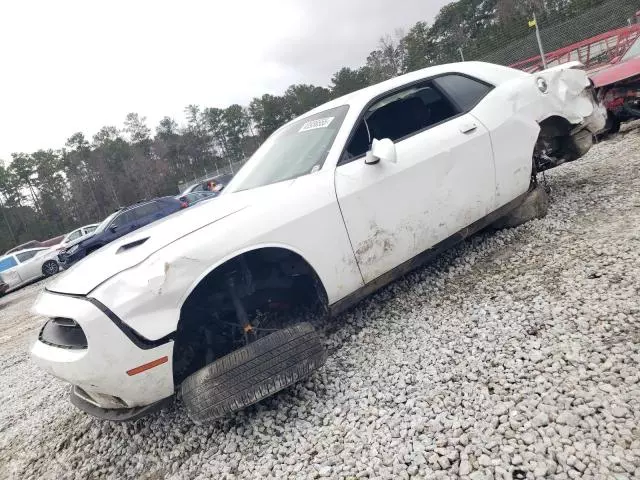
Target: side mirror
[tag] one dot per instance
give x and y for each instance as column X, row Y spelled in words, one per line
column 384, row 150
column 113, row 228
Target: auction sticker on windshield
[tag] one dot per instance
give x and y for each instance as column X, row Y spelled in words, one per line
column 317, row 123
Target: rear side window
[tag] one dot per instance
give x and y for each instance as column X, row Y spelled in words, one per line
column 24, row 256
column 466, row 92
column 7, row 263
column 145, row 210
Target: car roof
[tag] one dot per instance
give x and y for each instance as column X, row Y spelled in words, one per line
column 492, row 73
column 134, row 205
column 146, row 202
column 22, row 246
column 29, row 250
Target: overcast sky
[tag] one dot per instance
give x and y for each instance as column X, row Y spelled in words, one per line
column 68, row 66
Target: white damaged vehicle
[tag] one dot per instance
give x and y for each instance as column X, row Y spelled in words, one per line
column 211, row 301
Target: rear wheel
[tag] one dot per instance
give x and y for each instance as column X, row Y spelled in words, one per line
column 614, row 123
column 50, row 267
column 253, row 372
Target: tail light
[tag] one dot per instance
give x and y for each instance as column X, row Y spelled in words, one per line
column 184, row 204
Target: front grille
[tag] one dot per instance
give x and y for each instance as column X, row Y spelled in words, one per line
column 64, row 333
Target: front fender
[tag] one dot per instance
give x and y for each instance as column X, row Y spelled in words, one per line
column 148, row 297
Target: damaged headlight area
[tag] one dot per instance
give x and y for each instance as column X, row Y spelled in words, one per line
column 543, row 86
column 63, row 333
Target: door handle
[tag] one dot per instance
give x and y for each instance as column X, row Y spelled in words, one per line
column 468, row 127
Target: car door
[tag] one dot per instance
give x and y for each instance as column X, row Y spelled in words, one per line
column 8, row 270
column 28, row 266
column 124, row 223
column 442, row 181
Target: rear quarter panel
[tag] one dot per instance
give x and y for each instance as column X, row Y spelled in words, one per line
column 506, row 113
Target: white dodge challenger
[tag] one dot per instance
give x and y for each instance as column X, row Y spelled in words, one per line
column 211, row 302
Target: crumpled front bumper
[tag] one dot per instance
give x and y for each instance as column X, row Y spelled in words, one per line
column 84, row 402
column 108, row 368
column 571, row 95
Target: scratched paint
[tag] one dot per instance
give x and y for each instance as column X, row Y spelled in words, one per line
column 379, row 244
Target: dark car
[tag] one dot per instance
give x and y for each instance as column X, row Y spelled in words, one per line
column 120, row 223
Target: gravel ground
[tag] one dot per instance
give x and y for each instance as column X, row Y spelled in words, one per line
column 513, row 356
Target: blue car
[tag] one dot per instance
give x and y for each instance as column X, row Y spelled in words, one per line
column 118, row 224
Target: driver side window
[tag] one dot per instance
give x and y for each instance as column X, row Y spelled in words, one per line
column 122, row 219
column 398, row 116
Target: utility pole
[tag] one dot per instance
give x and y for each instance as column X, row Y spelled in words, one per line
column 535, row 23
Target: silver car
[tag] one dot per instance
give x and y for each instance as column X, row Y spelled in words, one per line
column 20, row 268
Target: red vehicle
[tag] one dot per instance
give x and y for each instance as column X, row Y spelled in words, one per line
column 35, row 243
column 619, row 87
column 613, row 61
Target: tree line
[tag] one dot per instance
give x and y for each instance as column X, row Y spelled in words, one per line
column 50, row 192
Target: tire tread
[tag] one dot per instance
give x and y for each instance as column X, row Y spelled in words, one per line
column 253, row 372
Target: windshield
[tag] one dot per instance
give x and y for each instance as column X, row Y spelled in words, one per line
column 297, row 149
column 105, row 223
column 633, row 52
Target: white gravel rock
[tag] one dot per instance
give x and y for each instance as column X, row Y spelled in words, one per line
column 477, row 475
column 517, row 350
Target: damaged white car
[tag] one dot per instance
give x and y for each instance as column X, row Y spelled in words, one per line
column 210, row 302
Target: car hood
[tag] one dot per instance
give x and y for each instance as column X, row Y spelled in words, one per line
column 134, row 248
column 616, row 73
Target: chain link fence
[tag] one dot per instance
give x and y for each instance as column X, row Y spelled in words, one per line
column 524, row 53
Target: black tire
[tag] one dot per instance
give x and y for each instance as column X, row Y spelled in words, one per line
column 50, row 268
column 253, row 372
column 614, row 124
